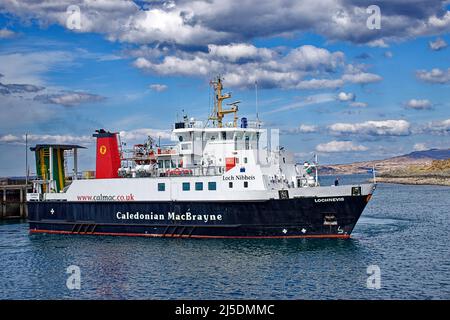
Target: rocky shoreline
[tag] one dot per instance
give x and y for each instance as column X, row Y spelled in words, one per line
column 433, row 180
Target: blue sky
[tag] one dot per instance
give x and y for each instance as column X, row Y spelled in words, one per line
column 328, row 82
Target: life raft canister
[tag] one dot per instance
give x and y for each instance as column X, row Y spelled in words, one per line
column 179, row 172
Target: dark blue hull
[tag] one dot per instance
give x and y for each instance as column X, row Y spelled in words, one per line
column 281, row 218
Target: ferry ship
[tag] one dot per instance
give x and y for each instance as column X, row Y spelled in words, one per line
column 218, row 180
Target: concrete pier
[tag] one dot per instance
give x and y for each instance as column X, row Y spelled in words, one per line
column 13, row 201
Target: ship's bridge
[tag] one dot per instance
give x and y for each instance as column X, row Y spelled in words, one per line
column 204, row 146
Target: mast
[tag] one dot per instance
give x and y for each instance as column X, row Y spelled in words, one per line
column 316, row 160
column 26, row 159
column 256, row 102
column 219, row 112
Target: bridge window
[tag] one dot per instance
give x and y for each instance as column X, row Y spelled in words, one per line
column 186, row 186
column 161, row 187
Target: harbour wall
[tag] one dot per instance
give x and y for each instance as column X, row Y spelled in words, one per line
column 13, row 199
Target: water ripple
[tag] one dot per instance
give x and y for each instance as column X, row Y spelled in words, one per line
column 404, row 231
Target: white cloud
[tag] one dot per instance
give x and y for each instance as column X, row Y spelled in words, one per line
column 158, row 87
column 310, row 100
column 320, row 84
column 438, row 44
column 437, row 127
column 303, row 128
column 217, row 22
column 357, row 73
column 172, row 25
column 30, row 67
column 142, row 63
column 9, row 138
column 109, row 57
column 342, row 96
column 236, row 51
column 142, row 134
column 444, row 124
column 17, row 112
column 6, row 34
column 309, row 57
column 441, row 23
column 69, row 98
column 388, row 54
column 362, row 78
column 305, row 67
column 46, row 138
column 420, row 147
column 418, row 104
column 379, row 43
column 60, row 139
column 339, row 146
column 172, row 65
column 436, row 75
column 372, row 128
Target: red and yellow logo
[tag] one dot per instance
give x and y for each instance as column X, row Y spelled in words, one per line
column 102, row 149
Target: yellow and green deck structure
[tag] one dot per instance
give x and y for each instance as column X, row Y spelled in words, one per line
column 50, row 164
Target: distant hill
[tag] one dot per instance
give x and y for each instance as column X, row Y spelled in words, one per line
column 434, row 154
column 436, row 173
column 386, row 165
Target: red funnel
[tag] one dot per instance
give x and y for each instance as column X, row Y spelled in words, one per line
column 108, row 156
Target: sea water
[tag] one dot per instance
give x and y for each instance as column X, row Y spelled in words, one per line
column 398, row 250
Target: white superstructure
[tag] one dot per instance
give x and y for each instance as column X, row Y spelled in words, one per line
column 209, row 161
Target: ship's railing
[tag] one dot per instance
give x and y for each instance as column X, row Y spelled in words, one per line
column 200, row 124
column 307, row 174
column 152, row 171
column 193, row 171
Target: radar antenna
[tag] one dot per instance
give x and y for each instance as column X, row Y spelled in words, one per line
column 219, row 112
